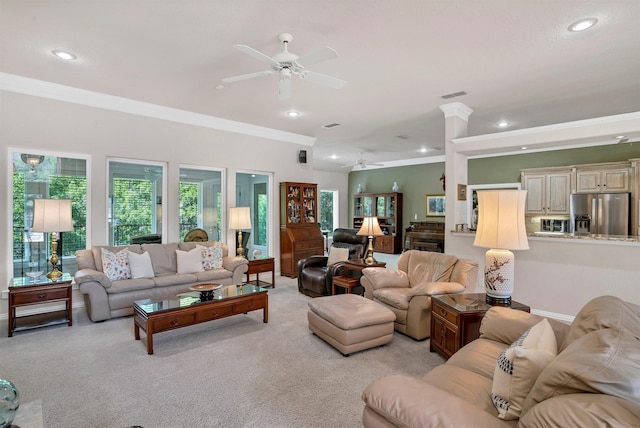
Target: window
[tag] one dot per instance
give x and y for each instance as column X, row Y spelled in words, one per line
column 252, row 190
column 328, row 210
column 47, row 176
column 200, row 194
column 135, row 200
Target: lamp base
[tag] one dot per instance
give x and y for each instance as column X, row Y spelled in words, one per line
column 498, row 301
column 369, row 260
column 498, row 275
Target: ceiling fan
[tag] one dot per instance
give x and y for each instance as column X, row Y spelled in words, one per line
column 361, row 163
column 625, row 140
column 286, row 64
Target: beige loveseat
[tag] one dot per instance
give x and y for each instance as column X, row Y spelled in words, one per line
column 105, row 298
column 594, row 381
column 407, row 291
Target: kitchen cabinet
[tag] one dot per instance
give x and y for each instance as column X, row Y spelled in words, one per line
column 603, row 178
column 548, row 190
column 388, row 208
column 300, row 235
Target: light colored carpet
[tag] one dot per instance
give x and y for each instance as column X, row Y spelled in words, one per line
column 234, row 372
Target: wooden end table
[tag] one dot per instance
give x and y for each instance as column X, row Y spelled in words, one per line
column 23, row 292
column 257, row 266
column 351, row 274
column 456, row 318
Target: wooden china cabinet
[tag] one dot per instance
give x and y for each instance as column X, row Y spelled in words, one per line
column 300, row 235
column 388, row 208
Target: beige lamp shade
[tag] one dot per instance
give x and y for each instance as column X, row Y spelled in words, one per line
column 501, row 220
column 52, row 215
column 239, row 218
column 370, row 227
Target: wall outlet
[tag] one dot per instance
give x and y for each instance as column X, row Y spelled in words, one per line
column 5, row 294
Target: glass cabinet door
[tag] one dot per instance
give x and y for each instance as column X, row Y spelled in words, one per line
column 309, row 204
column 368, row 206
column 357, row 206
column 381, row 206
column 293, row 204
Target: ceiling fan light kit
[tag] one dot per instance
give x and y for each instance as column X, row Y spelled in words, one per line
column 287, row 64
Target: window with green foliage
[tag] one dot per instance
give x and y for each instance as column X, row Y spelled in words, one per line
column 200, row 193
column 328, row 210
column 38, row 176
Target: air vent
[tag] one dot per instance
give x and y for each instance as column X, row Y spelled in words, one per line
column 454, row 94
column 331, row 125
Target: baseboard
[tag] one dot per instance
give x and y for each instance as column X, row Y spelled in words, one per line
column 44, row 310
column 560, row 317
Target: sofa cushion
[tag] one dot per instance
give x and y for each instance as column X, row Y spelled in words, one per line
column 465, row 384
column 211, row 256
column 163, row 257
column 140, row 265
column 175, row 279
column 426, row 266
column 478, row 356
column 431, row 288
column 115, row 265
column 518, row 368
column 213, row 274
column 125, row 285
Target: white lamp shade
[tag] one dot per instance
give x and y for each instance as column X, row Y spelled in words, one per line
column 239, row 218
column 370, row 227
column 52, row 215
column 501, row 220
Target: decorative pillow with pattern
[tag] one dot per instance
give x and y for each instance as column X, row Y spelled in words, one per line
column 519, row 366
column 211, row 256
column 116, row 265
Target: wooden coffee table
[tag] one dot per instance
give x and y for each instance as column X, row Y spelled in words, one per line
column 155, row 316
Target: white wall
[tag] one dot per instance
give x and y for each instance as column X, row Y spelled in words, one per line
column 30, row 122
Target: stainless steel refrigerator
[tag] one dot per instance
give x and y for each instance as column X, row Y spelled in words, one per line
column 600, row 213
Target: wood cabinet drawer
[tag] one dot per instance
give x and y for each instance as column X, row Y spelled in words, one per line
column 174, row 321
column 39, row 296
column 262, row 267
column 214, row 313
column 249, row 305
column 302, row 245
column 446, row 314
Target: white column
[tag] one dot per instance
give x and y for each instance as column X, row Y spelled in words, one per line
column 456, row 122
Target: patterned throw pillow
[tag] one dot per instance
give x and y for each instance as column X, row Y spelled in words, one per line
column 519, row 366
column 211, row 256
column 116, row 265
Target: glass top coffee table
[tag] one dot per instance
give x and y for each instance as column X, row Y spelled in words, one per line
column 158, row 315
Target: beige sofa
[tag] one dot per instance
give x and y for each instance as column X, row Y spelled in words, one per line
column 105, row 299
column 407, row 291
column 594, row 381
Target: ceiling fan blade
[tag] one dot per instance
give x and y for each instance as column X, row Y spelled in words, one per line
column 284, row 89
column 322, row 54
column 323, row 79
column 246, row 76
column 257, row 55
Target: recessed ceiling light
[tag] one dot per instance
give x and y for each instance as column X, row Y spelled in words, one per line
column 64, row 55
column 423, row 150
column 293, row 113
column 523, row 148
column 502, row 124
column 620, row 137
column 583, row 24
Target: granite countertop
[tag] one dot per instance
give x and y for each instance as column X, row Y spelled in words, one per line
column 559, row 235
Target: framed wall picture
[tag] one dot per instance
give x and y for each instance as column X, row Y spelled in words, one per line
column 436, row 205
column 462, row 192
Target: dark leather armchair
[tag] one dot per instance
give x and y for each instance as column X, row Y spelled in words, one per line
column 315, row 277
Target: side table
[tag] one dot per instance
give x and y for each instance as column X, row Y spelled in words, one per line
column 456, row 318
column 258, row 266
column 24, row 293
column 351, row 274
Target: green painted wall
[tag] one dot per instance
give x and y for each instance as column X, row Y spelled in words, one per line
column 416, row 181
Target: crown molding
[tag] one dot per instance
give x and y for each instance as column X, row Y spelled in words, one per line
column 54, row 91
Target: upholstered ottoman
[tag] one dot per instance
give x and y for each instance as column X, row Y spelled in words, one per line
column 350, row 323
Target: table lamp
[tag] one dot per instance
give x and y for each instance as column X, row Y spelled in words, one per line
column 500, row 228
column 370, row 228
column 239, row 218
column 52, row 215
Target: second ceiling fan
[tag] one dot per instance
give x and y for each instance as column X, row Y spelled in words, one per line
column 287, row 64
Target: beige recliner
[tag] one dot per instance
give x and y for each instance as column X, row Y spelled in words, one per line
column 407, row 291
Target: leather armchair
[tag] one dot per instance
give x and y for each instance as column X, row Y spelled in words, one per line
column 407, row 291
column 315, row 277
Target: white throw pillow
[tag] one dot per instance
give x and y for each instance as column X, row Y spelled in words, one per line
column 211, row 256
column 337, row 255
column 140, row 265
column 116, row 265
column 519, row 366
column 189, row 261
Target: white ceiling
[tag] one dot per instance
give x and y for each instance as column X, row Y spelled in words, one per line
column 514, row 58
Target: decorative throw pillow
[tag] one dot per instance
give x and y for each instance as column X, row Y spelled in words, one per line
column 116, row 265
column 189, row 261
column 337, row 255
column 519, row 366
column 211, row 256
column 140, row 265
